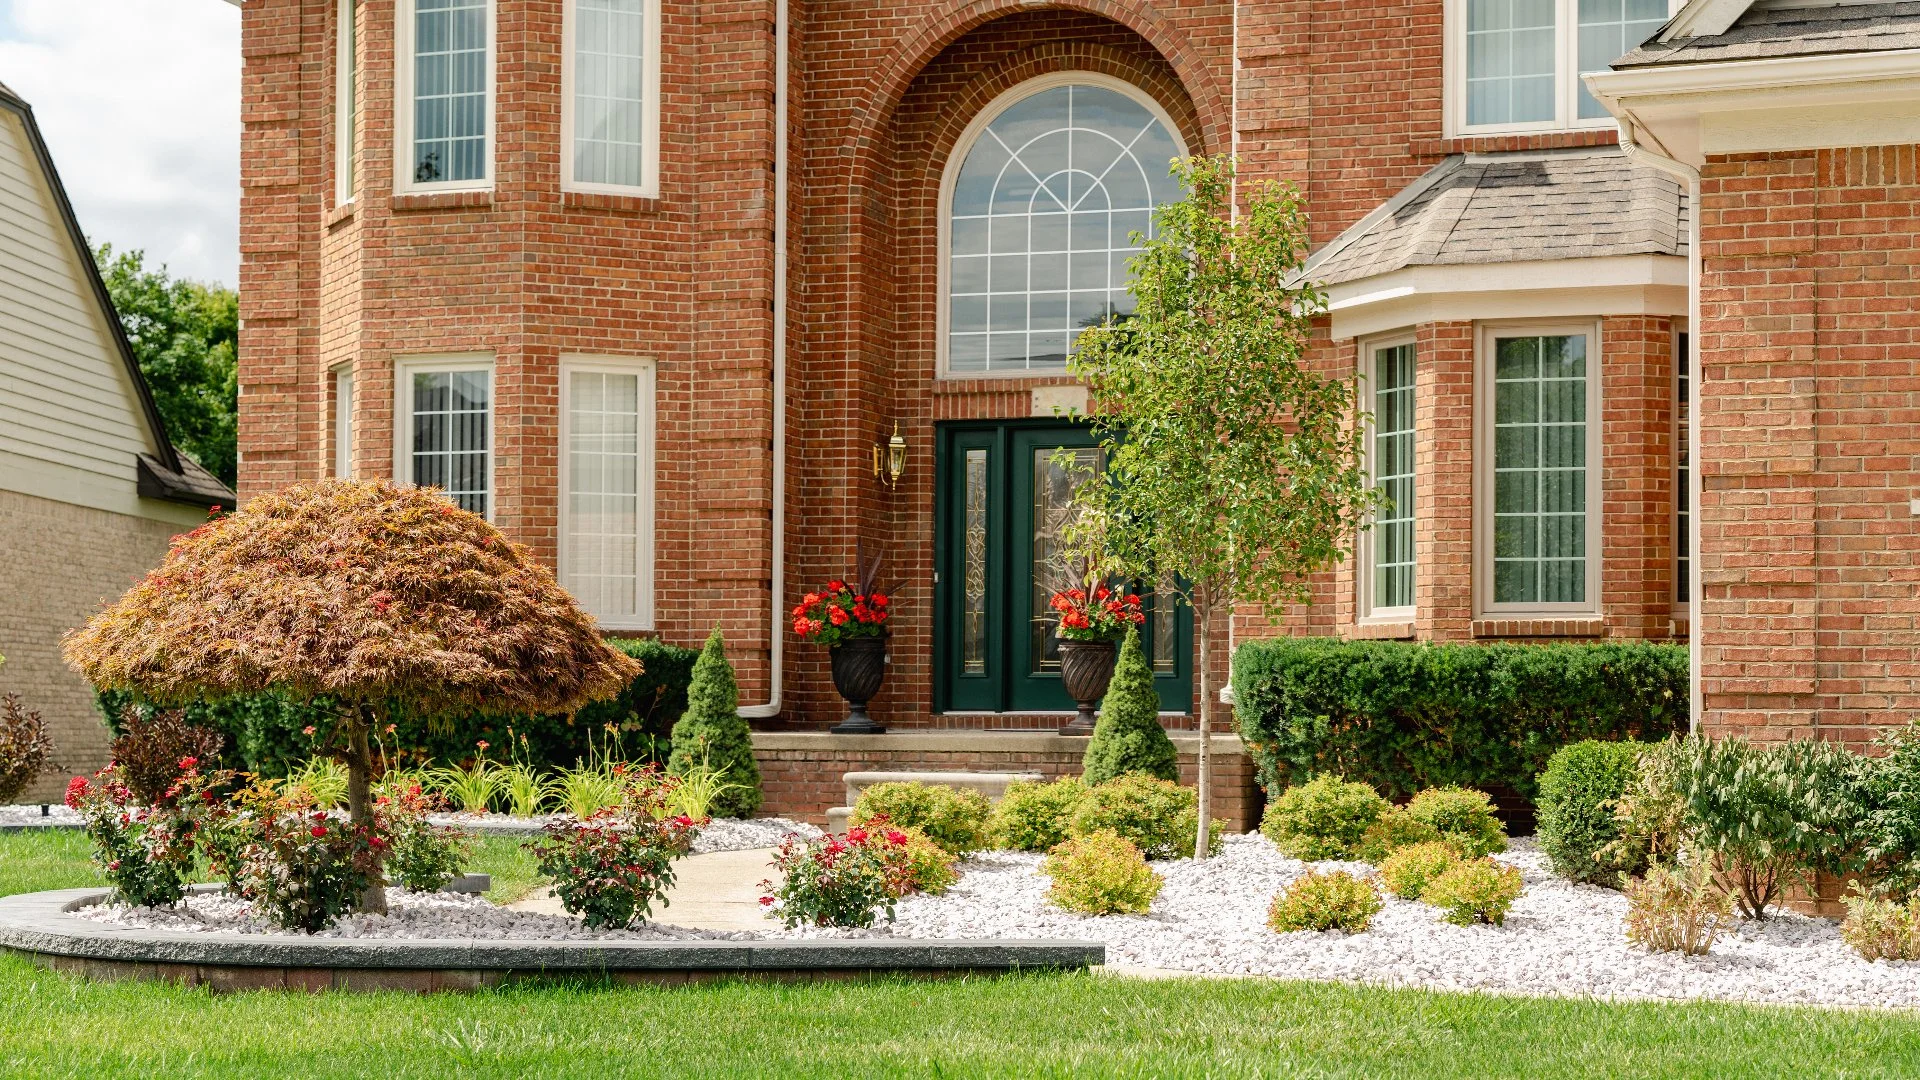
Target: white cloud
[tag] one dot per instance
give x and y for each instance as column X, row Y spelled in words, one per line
column 140, row 104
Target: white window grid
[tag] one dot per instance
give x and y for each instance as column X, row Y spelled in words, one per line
column 444, row 80
column 343, row 421
column 446, row 430
column 1389, row 566
column 346, row 91
column 1497, row 50
column 606, row 484
column 610, row 121
column 997, row 316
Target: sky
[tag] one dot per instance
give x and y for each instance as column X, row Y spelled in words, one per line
column 139, row 101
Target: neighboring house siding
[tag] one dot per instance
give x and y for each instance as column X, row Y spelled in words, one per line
column 70, row 426
column 63, row 562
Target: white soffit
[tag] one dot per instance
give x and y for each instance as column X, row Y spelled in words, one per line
column 1567, row 288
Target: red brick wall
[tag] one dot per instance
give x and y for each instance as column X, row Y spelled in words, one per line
column 1810, row 423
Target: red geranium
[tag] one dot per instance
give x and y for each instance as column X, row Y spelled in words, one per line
column 1097, row 615
column 840, row 614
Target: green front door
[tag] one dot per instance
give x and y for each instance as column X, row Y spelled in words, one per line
column 1002, row 504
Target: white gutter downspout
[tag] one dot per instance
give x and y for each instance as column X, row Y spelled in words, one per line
column 1637, row 151
column 777, row 593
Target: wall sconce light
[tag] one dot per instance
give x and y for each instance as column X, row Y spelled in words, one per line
column 890, row 458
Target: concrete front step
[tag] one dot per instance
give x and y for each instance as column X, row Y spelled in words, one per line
column 991, row 784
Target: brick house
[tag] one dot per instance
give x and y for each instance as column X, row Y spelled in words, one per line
column 648, row 283
column 91, row 490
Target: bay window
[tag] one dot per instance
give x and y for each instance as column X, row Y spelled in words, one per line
column 444, row 75
column 445, row 411
column 1387, row 574
column 606, row 489
column 610, row 119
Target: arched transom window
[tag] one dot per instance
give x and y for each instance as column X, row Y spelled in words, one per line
column 1054, row 179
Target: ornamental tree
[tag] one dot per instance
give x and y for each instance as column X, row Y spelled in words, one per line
column 1233, row 470
column 364, row 597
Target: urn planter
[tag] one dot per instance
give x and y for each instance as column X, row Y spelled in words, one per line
column 859, row 666
column 1086, row 667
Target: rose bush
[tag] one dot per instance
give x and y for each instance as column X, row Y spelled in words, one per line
column 838, row 880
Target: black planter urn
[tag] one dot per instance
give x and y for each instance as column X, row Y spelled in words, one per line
column 1086, row 667
column 859, row 666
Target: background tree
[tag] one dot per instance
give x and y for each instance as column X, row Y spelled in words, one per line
column 713, row 735
column 1128, row 737
column 1233, row 469
column 364, row 596
column 185, row 335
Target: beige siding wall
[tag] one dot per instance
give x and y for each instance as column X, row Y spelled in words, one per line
column 70, row 424
column 62, row 563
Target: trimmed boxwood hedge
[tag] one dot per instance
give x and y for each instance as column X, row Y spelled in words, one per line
column 263, row 731
column 1404, row 716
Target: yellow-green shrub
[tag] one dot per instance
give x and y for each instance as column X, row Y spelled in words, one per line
column 1159, row 817
column 1675, row 910
column 1329, row 901
column 1101, row 873
column 1036, row 816
column 1880, row 929
column 924, row 865
column 1407, row 873
column 1394, row 830
column 1479, row 891
column 955, row 819
column 1324, row 818
column 1463, row 817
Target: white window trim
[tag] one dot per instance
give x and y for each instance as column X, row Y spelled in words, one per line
column 403, row 181
column 1484, row 335
column 1566, row 78
column 1363, row 562
column 404, row 369
column 649, row 187
column 649, row 403
column 340, row 391
column 950, row 176
column 345, row 102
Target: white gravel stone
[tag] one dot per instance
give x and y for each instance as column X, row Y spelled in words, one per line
column 29, row 815
column 722, row 834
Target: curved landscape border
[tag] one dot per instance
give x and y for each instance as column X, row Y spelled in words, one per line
column 43, row 927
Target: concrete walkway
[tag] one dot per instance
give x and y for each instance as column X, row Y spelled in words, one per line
column 717, row 891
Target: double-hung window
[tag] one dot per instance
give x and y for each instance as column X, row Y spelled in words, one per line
column 1538, row 494
column 342, row 420
column 610, row 120
column 346, row 100
column 445, row 409
column 606, row 488
column 1514, row 65
column 1387, row 577
column 444, row 74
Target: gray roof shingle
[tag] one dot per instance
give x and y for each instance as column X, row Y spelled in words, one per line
column 1480, row 209
column 1767, row 34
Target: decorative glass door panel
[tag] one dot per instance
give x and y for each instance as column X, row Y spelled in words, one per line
column 1004, row 504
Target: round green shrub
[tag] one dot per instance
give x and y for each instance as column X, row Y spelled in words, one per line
column 1330, row 901
column 1159, row 817
column 1324, row 818
column 1394, row 830
column 1479, row 891
column 1101, row 873
column 1578, row 790
column 1128, row 737
column 1407, row 873
column 954, row 819
column 1463, row 817
column 924, row 865
column 1036, row 816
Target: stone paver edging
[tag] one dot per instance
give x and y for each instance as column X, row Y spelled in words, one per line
column 41, row 926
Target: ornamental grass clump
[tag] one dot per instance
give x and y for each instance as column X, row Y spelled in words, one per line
column 146, row 851
column 421, row 857
column 1475, row 891
column 1324, row 818
column 1407, row 872
column 1579, row 791
column 151, row 746
column 1325, row 901
column 610, row 868
column 954, row 818
column 1463, row 817
column 371, row 596
column 1158, row 817
column 1678, row 909
column 844, row 880
column 1101, row 873
column 1034, row 816
column 1881, row 929
column 25, row 749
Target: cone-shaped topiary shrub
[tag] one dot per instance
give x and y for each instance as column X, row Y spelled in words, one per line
column 1128, row 737
column 711, row 734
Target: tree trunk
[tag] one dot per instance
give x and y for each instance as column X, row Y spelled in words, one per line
column 1203, row 761
column 360, row 795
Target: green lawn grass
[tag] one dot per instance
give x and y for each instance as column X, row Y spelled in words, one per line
column 1030, row 1025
